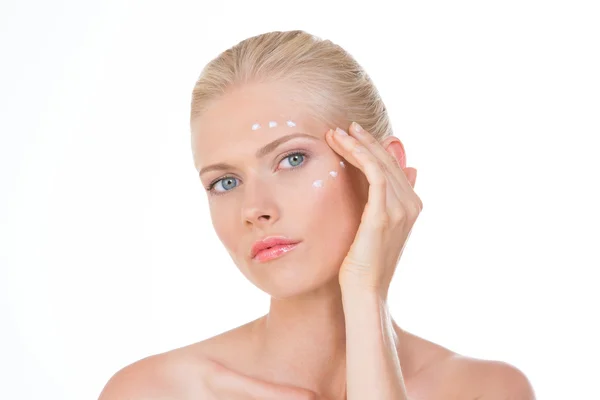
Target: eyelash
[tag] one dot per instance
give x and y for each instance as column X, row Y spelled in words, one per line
column 304, row 154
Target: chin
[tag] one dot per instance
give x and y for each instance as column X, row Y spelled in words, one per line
column 288, row 287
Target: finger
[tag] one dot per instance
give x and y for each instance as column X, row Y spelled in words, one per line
column 401, row 183
column 395, row 199
column 399, row 180
column 359, row 156
column 388, row 164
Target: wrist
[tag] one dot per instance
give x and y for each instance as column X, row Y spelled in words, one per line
column 354, row 288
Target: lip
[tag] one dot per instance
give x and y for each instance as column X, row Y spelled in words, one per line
column 276, row 243
column 274, row 252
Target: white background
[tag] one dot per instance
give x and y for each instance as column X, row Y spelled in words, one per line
column 107, row 252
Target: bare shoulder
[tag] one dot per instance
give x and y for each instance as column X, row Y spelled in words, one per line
column 489, row 379
column 175, row 374
column 182, row 373
column 233, row 347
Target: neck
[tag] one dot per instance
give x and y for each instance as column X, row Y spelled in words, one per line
column 302, row 341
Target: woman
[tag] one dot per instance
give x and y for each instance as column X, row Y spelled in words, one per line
column 310, row 194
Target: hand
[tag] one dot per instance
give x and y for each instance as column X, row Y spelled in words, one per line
column 389, row 215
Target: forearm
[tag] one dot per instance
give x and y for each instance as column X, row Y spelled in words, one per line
column 372, row 364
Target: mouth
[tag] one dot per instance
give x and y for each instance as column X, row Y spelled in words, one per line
column 273, row 252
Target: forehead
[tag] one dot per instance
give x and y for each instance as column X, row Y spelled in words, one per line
column 233, row 121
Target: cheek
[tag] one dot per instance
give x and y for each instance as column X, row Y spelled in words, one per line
column 329, row 219
column 317, row 189
column 223, row 219
column 327, row 201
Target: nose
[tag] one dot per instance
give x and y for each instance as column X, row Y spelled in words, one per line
column 261, row 215
column 259, row 206
column 258, row 217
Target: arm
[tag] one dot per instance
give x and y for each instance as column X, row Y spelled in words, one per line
column 373, row 367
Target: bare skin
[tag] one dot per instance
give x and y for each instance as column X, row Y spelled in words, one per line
column 298, row 349
column 223, row 367
column 423, row 362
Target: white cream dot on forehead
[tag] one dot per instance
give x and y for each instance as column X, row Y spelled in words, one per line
column 333, row 173
column 290, row 123
column 272, row 124
column 318, row 183
column 255, row 127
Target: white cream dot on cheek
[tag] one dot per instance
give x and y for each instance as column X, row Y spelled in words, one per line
column 342, row 164
column 255, row 127
column 333, row 173
column 272, row 124
column 318, row 183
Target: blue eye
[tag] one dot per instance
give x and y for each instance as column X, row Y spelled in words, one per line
column 297, row 157
column 294, row 156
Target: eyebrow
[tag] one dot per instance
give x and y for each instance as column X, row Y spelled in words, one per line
column 263, row 151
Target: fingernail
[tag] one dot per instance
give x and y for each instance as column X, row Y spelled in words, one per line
column 341, row 132
column 357, row 127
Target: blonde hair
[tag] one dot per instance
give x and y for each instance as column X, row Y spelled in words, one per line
column 328, row 79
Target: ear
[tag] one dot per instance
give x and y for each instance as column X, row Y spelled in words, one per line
column 394, row 146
